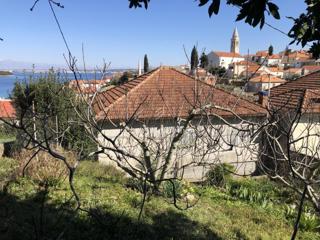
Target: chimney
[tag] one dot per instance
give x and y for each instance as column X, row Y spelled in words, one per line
column 139, row 68
column 263, row 98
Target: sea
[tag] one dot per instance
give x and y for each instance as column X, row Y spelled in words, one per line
column 7, row 82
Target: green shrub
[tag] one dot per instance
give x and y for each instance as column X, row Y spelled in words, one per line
column 219, row 174
column 8, row 170
column 100, row 171
column 167, row 189
column 309, row 221
column 136, row 184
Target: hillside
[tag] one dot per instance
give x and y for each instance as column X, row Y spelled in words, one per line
column 4, row 73
column 114, row 209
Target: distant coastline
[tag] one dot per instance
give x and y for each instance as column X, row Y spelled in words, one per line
column 5, row 73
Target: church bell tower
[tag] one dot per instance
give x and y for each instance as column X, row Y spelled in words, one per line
column 235, row 42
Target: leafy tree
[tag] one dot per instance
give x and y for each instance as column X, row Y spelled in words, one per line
column 146, row 64
column 315, row 50
column 194, row 58
column 48, row 102
column 125, row 77
column 270, row 50
column 219, row 71
column 305, row 29
column 204, row 62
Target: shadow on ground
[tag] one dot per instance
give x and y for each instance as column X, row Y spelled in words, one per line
column 30, row 219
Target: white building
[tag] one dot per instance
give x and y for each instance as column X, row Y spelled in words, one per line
column 274, row 60
column 301, row 96
column 224, row 59
column 263, row 82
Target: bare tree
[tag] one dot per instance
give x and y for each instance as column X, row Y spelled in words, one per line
column 291, row 146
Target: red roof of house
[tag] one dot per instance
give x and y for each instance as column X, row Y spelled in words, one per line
column 294, row 70
column 246, row 63
column 228, row 54
column 168, row 93
column 311, row 68
column 266, row 79
column 299, row 55
column 275, row 56
column 7, row 110
column 275, row 69
column 296, row 94
column 262, row 53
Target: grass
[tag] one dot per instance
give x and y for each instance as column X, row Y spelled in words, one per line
column 114, row 208
column 7, row 139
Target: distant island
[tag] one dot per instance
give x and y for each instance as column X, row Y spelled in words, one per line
column 5, row 73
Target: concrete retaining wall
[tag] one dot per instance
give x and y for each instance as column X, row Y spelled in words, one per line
column 1, row 149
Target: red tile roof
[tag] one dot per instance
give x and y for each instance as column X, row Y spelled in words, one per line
column 7, row 110
column 263, row 53
column 311, row 68
column 246, row 63
column 228, row 54
column 275, row 56
column 266, row 79
column 299, row 55
column 294, row 70
column 167, row 93
column 296, row 94
column 275, row 69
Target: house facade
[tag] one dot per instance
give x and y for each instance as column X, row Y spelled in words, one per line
column 263, row 82
column 223, row 59
column 155, row 108
column 297, row 103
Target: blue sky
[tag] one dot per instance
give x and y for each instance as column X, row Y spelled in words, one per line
column 110, row 30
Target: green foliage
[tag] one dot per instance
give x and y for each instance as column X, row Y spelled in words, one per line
column 101, row 172
column 204, row 62
column 219, row 71
column 252, row 11
column 7, row 134
column 262, row 191
column 169, row 190
column 146, row 64
column 309, row 221
column 8, row 167
column 194, row 58
column 138, row 3
column 137, row 185
column 47, row 105
column 250, row 195
column 219, row 174
column 126, row 76
column 315, row 50
column 114, row 210
column 305, row 28
column 270, row 50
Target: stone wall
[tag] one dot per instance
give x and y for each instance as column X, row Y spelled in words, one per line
column 1, row 149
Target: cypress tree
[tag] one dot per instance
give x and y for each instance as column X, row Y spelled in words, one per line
column 204, row 62
column 146, row 64
column 194, row 58
column 270, row 50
